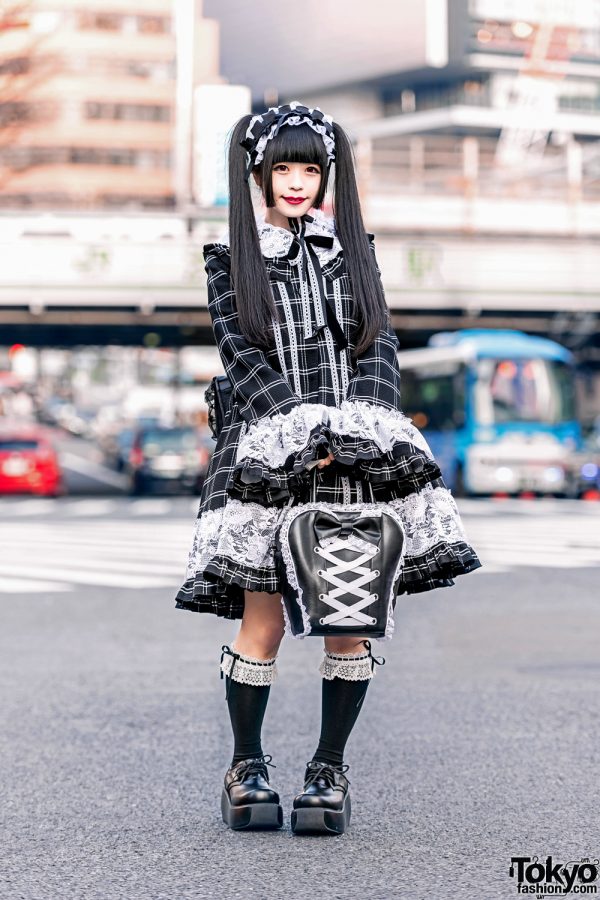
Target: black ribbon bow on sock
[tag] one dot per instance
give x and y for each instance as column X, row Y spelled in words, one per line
column 375, row 660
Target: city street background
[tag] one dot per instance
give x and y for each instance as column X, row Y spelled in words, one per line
column 475, row 129
column 477, row 741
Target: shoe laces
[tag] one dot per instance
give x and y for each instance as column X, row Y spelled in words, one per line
column 326, row 771
column 257, row 766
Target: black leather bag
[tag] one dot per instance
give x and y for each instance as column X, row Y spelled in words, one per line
column 218, row 396
column 339, row 567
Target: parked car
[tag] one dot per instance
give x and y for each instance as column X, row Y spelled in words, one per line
column 167, row 460
column 29, row 463
column 117, row 445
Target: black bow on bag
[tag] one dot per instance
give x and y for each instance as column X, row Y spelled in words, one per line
column 339, row 567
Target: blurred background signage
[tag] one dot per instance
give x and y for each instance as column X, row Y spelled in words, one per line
column 216, row 108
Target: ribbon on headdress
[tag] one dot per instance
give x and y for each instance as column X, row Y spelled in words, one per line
column 264, row 127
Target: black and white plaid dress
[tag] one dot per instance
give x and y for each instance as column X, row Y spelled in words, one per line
column 296, row 403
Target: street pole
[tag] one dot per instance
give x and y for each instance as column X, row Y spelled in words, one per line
column 185, row 18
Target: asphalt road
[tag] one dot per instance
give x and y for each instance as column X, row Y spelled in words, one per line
column 479, row 739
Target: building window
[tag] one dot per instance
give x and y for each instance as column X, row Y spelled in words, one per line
column 128, row 112
column 100, row 21
column 18, row 65
column 153, row 24
column 15, row 112
column 22, row 111
column 24, row 157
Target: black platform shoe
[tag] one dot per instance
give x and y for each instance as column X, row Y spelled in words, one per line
column 324, row 805
column 248, row 801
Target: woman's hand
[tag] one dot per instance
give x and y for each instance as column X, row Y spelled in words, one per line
column 325, row 462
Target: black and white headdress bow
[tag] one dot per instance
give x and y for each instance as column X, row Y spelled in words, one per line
column 264, row 127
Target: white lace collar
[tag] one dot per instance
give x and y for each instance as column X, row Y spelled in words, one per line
column 276, row 241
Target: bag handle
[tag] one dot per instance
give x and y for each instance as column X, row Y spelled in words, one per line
column 285, row 508
column 314, row 486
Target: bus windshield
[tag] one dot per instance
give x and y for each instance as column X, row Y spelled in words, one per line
column 524, row 390
column 433, row 395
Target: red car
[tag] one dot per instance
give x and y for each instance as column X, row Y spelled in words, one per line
column 29, row 463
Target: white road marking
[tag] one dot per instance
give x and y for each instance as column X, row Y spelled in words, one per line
column 32, row 506
column 118, row 547
column 32, row 586
column 91, row 507
column 45, row 560
column 64, row 545
column 152, row 507
column 83, row 576
column 93, row 470
column 153, row 545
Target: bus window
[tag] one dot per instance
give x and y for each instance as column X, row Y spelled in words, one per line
column 434, row 396
column 524, row 390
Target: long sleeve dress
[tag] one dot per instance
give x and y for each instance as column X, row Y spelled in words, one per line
column 296, row 403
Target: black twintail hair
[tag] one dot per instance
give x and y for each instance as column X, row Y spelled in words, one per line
column 254, row 300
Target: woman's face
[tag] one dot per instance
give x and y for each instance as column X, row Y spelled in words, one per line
column 295, row 187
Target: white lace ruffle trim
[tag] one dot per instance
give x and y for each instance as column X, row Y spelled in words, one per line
column 249, row 670
column 243, row 532
column 271, row 440
column 276, row 241
column 349, row 666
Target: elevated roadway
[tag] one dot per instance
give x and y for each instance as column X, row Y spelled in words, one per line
column 72, row 279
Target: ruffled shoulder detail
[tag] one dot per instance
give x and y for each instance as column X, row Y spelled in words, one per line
column 369, row 441
column 217, row 249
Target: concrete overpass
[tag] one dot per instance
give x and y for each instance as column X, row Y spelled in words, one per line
column 447, row 262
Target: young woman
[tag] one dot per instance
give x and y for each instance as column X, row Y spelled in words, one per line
column 304, row 334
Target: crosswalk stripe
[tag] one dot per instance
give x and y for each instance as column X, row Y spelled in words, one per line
column 144, row 543
column 149, row 507
column 102, row 552
column 134, row 535
column 100, row 578
column 65, row 507
column 550, row 560
column 32, row 586
column 44, row 562
column 92, row 507
column 35, row 506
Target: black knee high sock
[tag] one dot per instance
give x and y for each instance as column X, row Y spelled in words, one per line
column 341, row 702
column 247, row 704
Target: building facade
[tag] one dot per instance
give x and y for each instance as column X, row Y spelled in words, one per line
column 89, row 101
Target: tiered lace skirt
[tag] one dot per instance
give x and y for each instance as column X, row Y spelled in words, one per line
column 379, row 455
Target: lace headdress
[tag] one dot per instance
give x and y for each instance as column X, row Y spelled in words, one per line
column 264, row 127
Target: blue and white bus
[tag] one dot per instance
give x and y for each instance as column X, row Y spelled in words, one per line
column 497, row 408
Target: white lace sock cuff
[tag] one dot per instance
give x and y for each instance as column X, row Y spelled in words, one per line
column 349, row 666
column 247, row 669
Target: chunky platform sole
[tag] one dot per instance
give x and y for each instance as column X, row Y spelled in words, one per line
column 318, row 820
column 253, row 816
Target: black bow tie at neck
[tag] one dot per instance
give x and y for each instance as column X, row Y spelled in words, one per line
column 301, row 248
